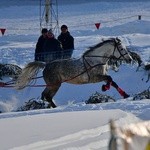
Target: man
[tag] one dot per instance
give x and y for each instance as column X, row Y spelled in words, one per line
column 40, row 44
column 67, row 42
column 52, row 48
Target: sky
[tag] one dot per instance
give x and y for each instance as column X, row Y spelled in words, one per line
column 73, row 125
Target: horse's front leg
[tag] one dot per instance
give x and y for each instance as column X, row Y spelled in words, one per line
column 110, row 82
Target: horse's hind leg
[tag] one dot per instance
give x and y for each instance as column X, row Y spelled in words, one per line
column 109, row 83
column 48, row 95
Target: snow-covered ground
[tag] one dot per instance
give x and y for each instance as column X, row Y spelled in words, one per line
column 73, row 125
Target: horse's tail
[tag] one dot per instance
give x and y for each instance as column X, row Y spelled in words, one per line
column 28, row 73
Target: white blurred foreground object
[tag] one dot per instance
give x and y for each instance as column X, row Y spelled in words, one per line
column 130, row 137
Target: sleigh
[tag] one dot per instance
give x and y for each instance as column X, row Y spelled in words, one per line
column 130, row 137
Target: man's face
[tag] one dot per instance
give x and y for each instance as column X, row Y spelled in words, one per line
column 50, row 35
column 44, row 34
column 64, row 30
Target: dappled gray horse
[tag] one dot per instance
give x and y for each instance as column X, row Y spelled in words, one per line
column 90, row 68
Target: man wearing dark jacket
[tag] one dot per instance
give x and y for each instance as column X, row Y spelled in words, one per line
column 67, row 42
column 52, row 48
column 39, row 45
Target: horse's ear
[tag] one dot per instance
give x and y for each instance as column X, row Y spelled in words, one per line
column 103, row 39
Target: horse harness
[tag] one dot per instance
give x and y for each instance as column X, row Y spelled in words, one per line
column 87, row 64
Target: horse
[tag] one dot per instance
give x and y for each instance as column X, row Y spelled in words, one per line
column 9, row 70
column 91, row 67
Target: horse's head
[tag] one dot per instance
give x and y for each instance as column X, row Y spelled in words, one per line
column 111, row 50
column 120, row 52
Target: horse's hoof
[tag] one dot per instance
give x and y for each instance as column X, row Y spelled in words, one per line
column 51, row 105
column 104, row 88
column 126, row 95
column 48, row 106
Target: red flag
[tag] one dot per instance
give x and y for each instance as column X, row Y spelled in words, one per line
column 97, row 25
column 2, row 30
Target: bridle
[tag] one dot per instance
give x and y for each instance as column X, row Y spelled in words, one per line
column 116, row 47
column 117, row 43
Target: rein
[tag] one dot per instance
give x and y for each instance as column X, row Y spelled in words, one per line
column 86, row 70
column 90, row 67
column 9, row 83
column 87, row 67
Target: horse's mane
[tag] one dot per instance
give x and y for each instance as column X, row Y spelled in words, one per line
column 91, row 48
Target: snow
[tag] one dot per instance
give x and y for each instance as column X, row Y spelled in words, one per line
column 73, row 125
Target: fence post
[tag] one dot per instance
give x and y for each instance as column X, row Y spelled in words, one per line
column 139, row 17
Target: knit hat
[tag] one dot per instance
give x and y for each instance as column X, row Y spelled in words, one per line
column 64, row 26
column 44, row 30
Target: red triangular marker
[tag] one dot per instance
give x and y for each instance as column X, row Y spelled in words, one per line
column 3, row 31
column 97, row 25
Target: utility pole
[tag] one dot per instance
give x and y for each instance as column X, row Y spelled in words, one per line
column 49, row 15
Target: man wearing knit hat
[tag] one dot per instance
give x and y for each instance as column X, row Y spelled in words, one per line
column 52, row 48
column 67, row 42
column 39, row 45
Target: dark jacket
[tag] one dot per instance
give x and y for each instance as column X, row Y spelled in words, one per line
column 52, row 50
column 40, row 44
column 66, row 40
column 52, row 45
column 39, row 48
